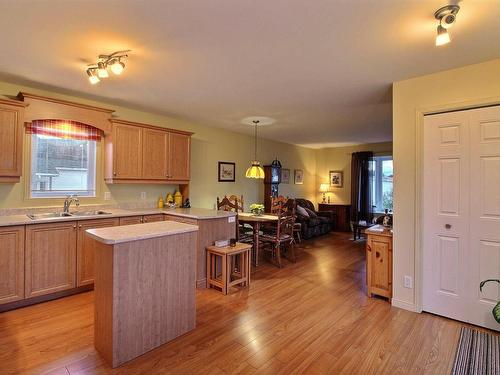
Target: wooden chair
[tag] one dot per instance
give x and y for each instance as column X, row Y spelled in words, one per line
column 235, row 204
column 277, row 204
column 283, row 238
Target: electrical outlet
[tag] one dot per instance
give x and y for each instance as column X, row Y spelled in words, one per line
column 408, row 282
column 107, row 195
column 143, row 195
column 231, row 219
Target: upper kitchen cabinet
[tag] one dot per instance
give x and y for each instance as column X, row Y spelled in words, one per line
column 11, row 139
column 137, row 153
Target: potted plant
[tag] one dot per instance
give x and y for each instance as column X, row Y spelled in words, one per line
column 257, row 209
column 496, row 309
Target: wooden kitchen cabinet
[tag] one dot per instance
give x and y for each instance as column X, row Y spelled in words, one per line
column 50, row 258
column 11, row 264
column 141, row 153
column 131, row 220
column 178, row 156
column 85, row 251
column 127, row 151
column 152, row 218
column 11, row 139
column 154, row 154
column 379, row 261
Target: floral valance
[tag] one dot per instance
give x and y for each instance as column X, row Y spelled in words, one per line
column 66, row 129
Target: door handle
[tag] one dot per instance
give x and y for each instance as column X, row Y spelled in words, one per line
column 447, row 226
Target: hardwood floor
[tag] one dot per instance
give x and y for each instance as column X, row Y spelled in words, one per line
column 311, row 317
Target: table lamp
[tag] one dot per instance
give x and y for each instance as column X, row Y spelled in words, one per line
column 324, row 188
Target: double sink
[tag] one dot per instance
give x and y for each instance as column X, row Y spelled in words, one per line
column 53, row 215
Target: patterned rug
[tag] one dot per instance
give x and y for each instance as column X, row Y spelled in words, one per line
column 477, row 353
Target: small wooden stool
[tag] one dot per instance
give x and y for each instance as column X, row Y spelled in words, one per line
column 226, row 253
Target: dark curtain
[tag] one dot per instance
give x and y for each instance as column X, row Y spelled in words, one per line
column 361, row 200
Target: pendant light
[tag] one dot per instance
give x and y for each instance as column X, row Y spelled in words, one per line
column 255, row 170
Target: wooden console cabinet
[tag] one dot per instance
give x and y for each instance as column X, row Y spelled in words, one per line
column 379, row 261
column 342, row 214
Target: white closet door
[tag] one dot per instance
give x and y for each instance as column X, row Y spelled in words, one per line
column 485, row 213
column 446, row 214
column 461, row 214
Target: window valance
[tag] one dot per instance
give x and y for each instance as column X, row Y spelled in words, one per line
column 66, row 129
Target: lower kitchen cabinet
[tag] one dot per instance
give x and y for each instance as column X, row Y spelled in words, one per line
column 152, row 218
column 50, row 258
column 11, row 264
column 131, row 220
column 85, row 251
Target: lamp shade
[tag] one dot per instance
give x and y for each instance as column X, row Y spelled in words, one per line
column 255, row 171
column 324, row 188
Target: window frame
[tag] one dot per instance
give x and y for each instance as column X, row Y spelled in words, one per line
column 89, row 194
column 377, row 198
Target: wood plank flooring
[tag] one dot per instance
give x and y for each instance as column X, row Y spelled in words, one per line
column 312, row 317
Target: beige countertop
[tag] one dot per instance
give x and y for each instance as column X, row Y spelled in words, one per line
column 136, row 232
column 193, row 213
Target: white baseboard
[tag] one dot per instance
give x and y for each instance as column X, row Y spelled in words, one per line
column 404, row 305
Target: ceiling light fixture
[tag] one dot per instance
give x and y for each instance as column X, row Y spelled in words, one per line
column 93, row 78
column 255, row 170
column 446, row 16
column 100, row 69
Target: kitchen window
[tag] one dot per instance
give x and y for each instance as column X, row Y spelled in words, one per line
column 381, row 171
column 63, row 159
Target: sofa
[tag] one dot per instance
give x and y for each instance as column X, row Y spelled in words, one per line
column 317, row 223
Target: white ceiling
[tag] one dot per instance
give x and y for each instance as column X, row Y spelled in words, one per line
column 323, row 69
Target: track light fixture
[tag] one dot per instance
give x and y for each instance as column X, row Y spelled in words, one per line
column 100, row 69
column 446, row 16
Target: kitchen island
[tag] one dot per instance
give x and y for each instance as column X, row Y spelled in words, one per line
column 144, row 287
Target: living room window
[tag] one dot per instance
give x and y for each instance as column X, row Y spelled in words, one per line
column 63, row 159
column 382, row 183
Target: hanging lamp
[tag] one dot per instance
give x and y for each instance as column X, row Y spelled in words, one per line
column 255, row 170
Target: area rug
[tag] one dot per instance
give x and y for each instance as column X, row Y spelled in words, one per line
column 477, row 353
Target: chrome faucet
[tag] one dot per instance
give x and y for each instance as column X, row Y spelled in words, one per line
column 70, row 199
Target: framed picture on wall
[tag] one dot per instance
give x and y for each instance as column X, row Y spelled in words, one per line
column 299, row 177
column 226, row 171
column 285, row 176
column 336, row 179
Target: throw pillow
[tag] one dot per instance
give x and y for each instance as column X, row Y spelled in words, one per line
column 311, row 213
column 302, row 211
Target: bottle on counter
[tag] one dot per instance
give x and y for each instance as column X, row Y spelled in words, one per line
column 169, row 199
column 161, row 203
column 178, row 198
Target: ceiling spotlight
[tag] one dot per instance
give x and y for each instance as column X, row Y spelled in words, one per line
column 446, row 16
column 93, row 78
column 102, row 72
column 100, row 69
column 117, row 67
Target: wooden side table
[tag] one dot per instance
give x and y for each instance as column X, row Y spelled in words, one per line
column 228, row 276
column 342, row 213
column 379, row 261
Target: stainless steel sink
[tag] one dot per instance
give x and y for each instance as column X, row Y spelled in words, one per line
column 90, row 213
column 48, row 215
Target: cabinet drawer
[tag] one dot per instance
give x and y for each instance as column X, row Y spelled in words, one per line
column 152, row 218
column 131, row 220
column 180, row 219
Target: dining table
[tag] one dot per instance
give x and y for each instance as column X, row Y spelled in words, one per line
column 255, row 221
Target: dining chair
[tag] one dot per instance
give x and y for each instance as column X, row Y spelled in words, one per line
column 235, row 204
column 282, row 239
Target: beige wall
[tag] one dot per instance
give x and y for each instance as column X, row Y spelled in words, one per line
column 473, row 85
column 339, row 159
column 209, row 145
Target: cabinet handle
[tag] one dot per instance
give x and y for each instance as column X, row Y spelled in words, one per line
column 114, row 173
column 74, row 226
column 447, row 226
column 142, row 220
column 80, row 226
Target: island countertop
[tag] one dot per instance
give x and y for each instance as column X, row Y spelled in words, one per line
column 136, row 232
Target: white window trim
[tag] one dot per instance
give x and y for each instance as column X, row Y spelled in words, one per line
column 378, row 182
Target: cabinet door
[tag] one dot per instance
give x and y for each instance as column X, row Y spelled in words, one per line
column 50, row 258
column 131, row 220
column 380, row 265
column 85, row 251
column 11, row 264
column 179, row 156
column 154, row 154
column 127, row 151
column 11, row 142
column 152, row 218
